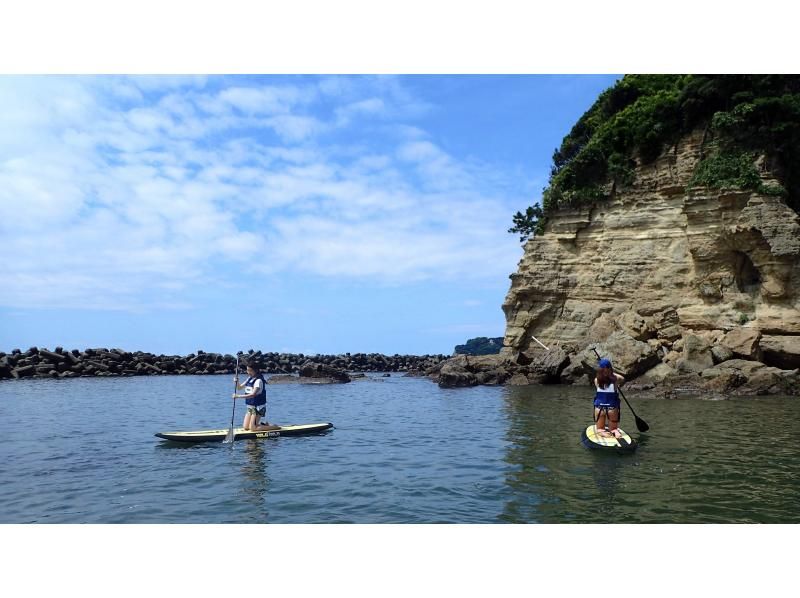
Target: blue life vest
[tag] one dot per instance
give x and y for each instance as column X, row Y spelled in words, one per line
column 607, row 397
column 261, row 397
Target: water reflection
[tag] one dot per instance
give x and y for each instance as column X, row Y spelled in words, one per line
column 607, row 477
column 697, row 464
column 255, row 481
column 732, row 461
column 552, row 477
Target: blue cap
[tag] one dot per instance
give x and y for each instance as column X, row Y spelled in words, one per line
column 605, row 363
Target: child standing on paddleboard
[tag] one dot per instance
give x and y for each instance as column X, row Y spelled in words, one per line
column 255, row 395
column 606, row 399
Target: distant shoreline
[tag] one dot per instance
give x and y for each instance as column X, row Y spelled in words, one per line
column 102, row 362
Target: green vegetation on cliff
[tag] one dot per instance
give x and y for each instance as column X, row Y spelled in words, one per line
column 746, row 116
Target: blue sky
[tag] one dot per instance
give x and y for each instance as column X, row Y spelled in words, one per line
column 284, row 213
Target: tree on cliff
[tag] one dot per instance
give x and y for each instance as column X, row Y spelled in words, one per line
column 480, row 346
column 745, row 116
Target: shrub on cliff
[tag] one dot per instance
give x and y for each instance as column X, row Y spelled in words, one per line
column 747, row 115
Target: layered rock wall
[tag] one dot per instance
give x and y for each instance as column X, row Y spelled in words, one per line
column 660, row 262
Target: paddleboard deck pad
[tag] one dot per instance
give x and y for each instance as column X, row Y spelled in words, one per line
column 593, row 440
column 242, row 434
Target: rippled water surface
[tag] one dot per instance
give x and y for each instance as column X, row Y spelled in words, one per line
column 402, row 451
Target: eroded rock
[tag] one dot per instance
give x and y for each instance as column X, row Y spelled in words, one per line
column 781, row 351
column 744, row 343
column 712, row 275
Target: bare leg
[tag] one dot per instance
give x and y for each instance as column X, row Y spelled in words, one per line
column 266, row 425
column 613, row 422
column 600, row 419
column 248, row 421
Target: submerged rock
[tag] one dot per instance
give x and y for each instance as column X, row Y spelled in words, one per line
column 465, row 370
column 312, row 369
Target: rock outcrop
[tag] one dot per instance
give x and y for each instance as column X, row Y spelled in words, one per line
column 673, row 282
column 658, row 259
column 316, row 370
column 468, row 370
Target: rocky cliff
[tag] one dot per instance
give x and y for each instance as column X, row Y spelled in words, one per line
column 680, row 278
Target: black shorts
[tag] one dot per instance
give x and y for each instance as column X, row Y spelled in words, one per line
column 259, row 410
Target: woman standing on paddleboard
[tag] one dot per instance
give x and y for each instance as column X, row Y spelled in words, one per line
column 255, row 395
column 606, row 399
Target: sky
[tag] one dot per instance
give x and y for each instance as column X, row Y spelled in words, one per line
column 302, row 214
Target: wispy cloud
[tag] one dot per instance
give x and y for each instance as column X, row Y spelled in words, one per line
column 128, row 192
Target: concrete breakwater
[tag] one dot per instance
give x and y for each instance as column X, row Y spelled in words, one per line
column 61, row 363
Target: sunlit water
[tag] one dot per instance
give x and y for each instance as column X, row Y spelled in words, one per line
column 402, row 451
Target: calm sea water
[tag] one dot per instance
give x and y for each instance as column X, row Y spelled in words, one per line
column 402, row 451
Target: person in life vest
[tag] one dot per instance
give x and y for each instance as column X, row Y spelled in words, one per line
column 606, row 399
column 255, row 395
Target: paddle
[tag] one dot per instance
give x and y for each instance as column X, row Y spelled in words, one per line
column 231, row 434
column 641, row 425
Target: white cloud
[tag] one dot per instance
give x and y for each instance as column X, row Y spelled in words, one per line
column 420, row 151
column 337, row 86
column 152, row 83
column 130, row 192
column 436, row 168
column 294, row 128
column 149, row 121
column 407, row 132
column 371, row 233
column 372, row 163
column 368, row 107
column 259, row 100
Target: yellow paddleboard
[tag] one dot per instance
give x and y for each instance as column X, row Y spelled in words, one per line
column 593, row 440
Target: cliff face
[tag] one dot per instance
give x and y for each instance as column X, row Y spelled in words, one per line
column 663, row 262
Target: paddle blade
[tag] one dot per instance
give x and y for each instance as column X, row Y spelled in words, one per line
column 229, row 437
column 641, row 425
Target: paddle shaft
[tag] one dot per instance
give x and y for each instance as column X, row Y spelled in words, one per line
column 640, row 423
column 540, row 343
column 233, row 408
column 235, row 388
